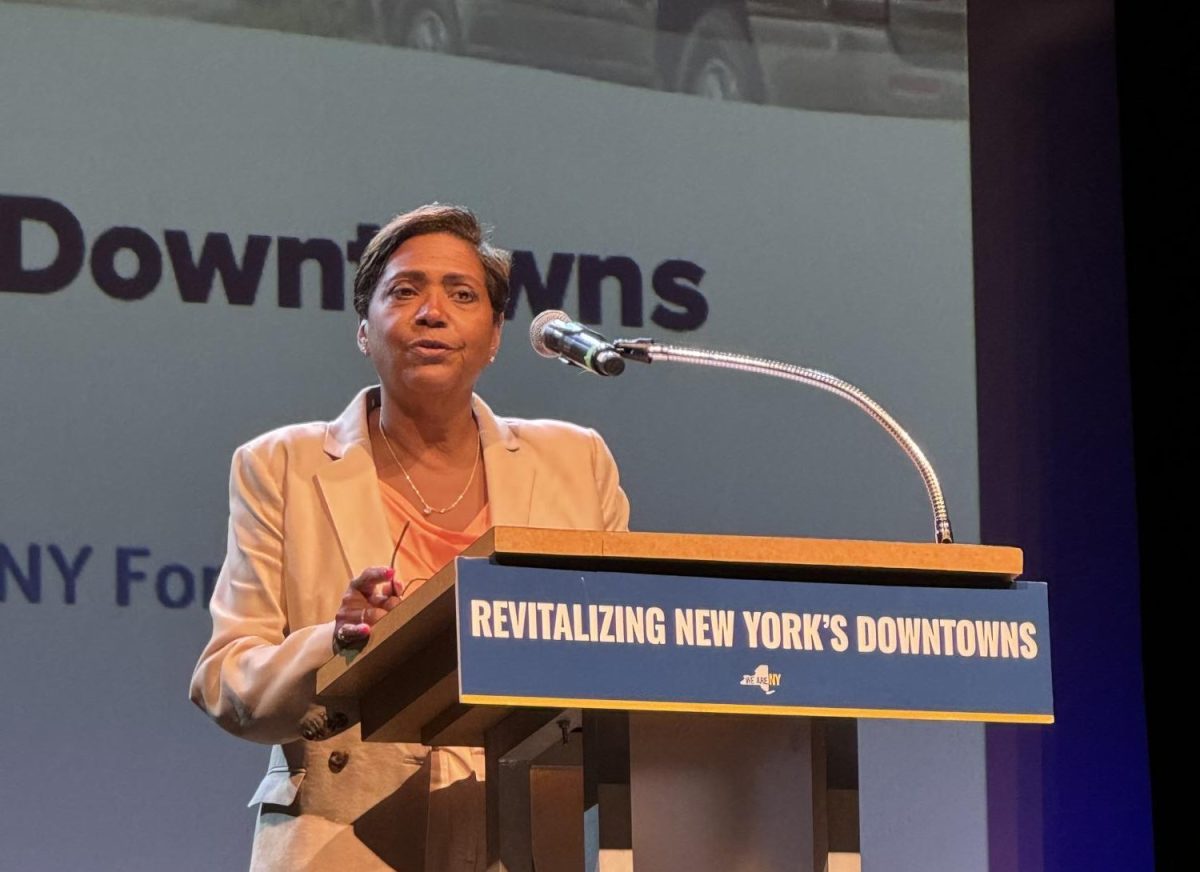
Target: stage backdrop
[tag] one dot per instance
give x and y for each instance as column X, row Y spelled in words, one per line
column 181, row 202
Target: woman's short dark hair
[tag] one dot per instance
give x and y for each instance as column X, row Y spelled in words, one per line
column 433, row 218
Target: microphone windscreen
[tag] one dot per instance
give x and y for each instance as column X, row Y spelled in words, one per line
column 537, row 330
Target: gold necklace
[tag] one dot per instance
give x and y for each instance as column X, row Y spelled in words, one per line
column 427, row 509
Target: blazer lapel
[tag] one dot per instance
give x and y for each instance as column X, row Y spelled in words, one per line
column 510, row 475
column 349, row 485
column 349, row 488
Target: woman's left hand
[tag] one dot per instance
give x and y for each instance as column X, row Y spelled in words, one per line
column 370, row 596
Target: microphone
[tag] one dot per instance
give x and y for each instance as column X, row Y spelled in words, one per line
column 554, row 334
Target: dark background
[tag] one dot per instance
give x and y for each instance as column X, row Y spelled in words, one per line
column 1076, row 283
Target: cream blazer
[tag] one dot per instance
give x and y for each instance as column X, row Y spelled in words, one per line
column 306, row 516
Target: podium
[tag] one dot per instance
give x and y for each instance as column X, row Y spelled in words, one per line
column 688, row 702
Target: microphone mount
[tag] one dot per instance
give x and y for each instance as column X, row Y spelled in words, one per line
column 649, row 351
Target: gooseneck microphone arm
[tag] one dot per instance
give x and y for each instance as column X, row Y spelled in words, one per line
column 649, row 351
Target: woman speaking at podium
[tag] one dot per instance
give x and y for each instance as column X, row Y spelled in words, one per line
column 332, row 524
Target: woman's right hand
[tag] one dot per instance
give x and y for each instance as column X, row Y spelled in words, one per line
column 370, row 596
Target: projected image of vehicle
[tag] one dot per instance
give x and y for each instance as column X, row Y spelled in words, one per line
column 901, row 57
column 875, row 57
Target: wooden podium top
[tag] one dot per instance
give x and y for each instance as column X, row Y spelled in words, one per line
column 421, row 615
column 518, row 544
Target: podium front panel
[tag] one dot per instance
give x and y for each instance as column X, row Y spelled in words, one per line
column 580, row 638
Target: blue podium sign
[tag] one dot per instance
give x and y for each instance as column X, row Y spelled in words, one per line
column 554, row 637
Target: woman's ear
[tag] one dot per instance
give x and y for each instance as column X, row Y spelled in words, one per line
column 362, row 338
column 495, row 345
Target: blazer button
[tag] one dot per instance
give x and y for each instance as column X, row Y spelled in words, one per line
column 308, row 732
column 338, row 760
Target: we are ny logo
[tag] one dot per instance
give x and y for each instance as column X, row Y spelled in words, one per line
column 763, row 678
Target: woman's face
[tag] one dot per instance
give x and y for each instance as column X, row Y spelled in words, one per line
column 429, row 327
